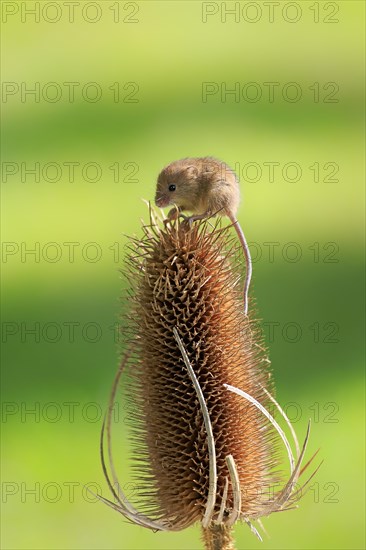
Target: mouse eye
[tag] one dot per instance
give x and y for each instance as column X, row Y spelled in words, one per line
column 172, row 187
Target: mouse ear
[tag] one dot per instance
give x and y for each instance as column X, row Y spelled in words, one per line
column 207, row 168
column 192, row 171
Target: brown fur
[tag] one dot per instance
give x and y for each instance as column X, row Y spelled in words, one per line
column 203, row 186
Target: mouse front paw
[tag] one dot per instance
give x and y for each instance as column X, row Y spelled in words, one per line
column 173, row 214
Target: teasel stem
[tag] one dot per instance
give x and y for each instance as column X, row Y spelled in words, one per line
column 218, row 537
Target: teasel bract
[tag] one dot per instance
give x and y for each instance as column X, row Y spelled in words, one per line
column 196, row 378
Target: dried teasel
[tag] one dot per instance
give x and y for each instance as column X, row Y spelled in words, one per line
column 196, row 376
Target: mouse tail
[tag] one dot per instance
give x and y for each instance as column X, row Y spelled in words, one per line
column 248, row 259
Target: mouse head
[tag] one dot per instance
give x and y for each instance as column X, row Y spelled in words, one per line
column 176, row 183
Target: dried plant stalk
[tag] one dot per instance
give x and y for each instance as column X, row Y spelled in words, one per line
column 199, row 388
column 218, row 537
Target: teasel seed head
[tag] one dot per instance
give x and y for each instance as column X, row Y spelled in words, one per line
column 197, row 379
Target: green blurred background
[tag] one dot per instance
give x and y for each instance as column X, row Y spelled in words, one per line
column 160, row 54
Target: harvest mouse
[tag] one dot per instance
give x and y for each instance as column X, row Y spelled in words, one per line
column 206, row 187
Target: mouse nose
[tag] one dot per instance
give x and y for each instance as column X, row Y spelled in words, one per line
column 161, row 201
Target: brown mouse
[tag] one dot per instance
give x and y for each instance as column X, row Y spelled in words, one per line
column 205, row 186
